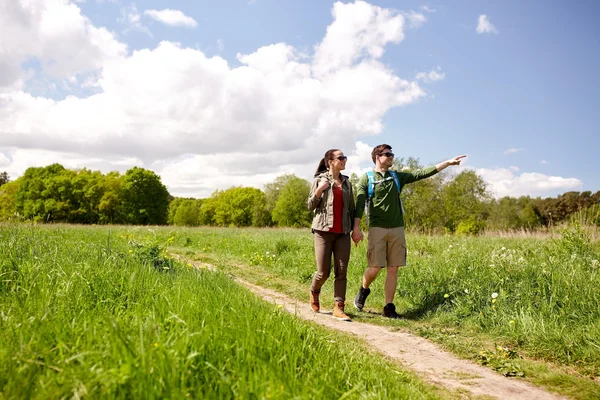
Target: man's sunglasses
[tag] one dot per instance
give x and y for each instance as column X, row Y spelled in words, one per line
column 341, row 158
column 387, row 154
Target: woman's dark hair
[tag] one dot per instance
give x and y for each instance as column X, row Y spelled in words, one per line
column 324, row 163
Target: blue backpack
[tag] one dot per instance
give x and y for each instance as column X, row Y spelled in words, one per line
column 373, row 182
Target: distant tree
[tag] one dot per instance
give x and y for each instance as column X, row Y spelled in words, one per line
column 273, row 190
column 110, row 206
column 503, row 214
column 408, row 164
column 8, row 206
column 422, row 200
column 509, row 213
column 87, row 190
column 59, row 202
column 145, row 198
column 567, row 203
column 464, row 200
column 260, row 214
column 173, row 206
column 4, row 178
column 585, row 200
column 187, row 213
column 236, row 206
column 528, row 215
column 545, row 208
column 595, row 198
column 42, row 195
column 208, row 209
column 354, row 179
column 290, row 208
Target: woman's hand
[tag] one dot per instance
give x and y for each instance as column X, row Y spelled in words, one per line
column 323, row 185
column 357, row 236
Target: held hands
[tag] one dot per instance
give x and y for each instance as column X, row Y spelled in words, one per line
column 357, row 236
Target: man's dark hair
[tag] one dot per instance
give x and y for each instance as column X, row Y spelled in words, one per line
column 378, row 150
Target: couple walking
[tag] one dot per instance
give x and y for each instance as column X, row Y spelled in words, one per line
column 337, row 220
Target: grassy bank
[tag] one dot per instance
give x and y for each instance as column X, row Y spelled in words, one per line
column 499, row 301
column 103, row 313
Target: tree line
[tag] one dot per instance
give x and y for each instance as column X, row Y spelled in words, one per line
column 57, row 194
column 443, row 203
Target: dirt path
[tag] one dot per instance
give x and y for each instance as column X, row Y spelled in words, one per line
column 420, row 355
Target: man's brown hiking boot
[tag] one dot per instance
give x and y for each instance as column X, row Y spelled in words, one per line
column 338, row 312
column 314, row 301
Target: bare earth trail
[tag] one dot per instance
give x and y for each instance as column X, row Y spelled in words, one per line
column 418, row 354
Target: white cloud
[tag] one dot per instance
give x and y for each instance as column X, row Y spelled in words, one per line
column 172, row 17
column 220, row 45
column 504, row 182
column 513, row 151
column 428, row 9
column 56, row 34
column 484, row 25
column 416, row 19
column 132, row 18
column 543, row 162
column 186, row 115
column 359, row 30
column 360, row 155
column 4, row 161
column 431, row 76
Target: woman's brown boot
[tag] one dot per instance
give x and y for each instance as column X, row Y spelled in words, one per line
column 338, row 311
column 314, row 300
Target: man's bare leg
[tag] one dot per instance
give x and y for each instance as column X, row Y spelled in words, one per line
column 391, row 281
column 370, row 275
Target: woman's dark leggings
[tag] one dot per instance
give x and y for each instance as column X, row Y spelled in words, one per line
column 326, row 245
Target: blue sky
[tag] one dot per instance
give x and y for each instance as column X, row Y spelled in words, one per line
column 215, row 94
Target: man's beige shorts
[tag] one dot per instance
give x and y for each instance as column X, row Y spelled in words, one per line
column 387, row 247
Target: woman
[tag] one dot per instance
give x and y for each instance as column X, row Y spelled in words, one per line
column 332, row 200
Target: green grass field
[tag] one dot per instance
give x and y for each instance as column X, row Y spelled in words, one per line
column 96, row 312
column 523, row 306
column 104, row 312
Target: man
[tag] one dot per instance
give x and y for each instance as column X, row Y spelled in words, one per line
column 387, row 244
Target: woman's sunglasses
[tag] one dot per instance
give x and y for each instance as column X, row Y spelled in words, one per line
column 341, row 158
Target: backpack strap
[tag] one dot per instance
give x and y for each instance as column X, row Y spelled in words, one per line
column 373, row 182
column 395, row 176
column 371, row 187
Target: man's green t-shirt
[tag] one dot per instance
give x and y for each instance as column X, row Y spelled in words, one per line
column 385, row 210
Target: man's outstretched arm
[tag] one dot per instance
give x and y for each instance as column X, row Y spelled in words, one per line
column 447, row 163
